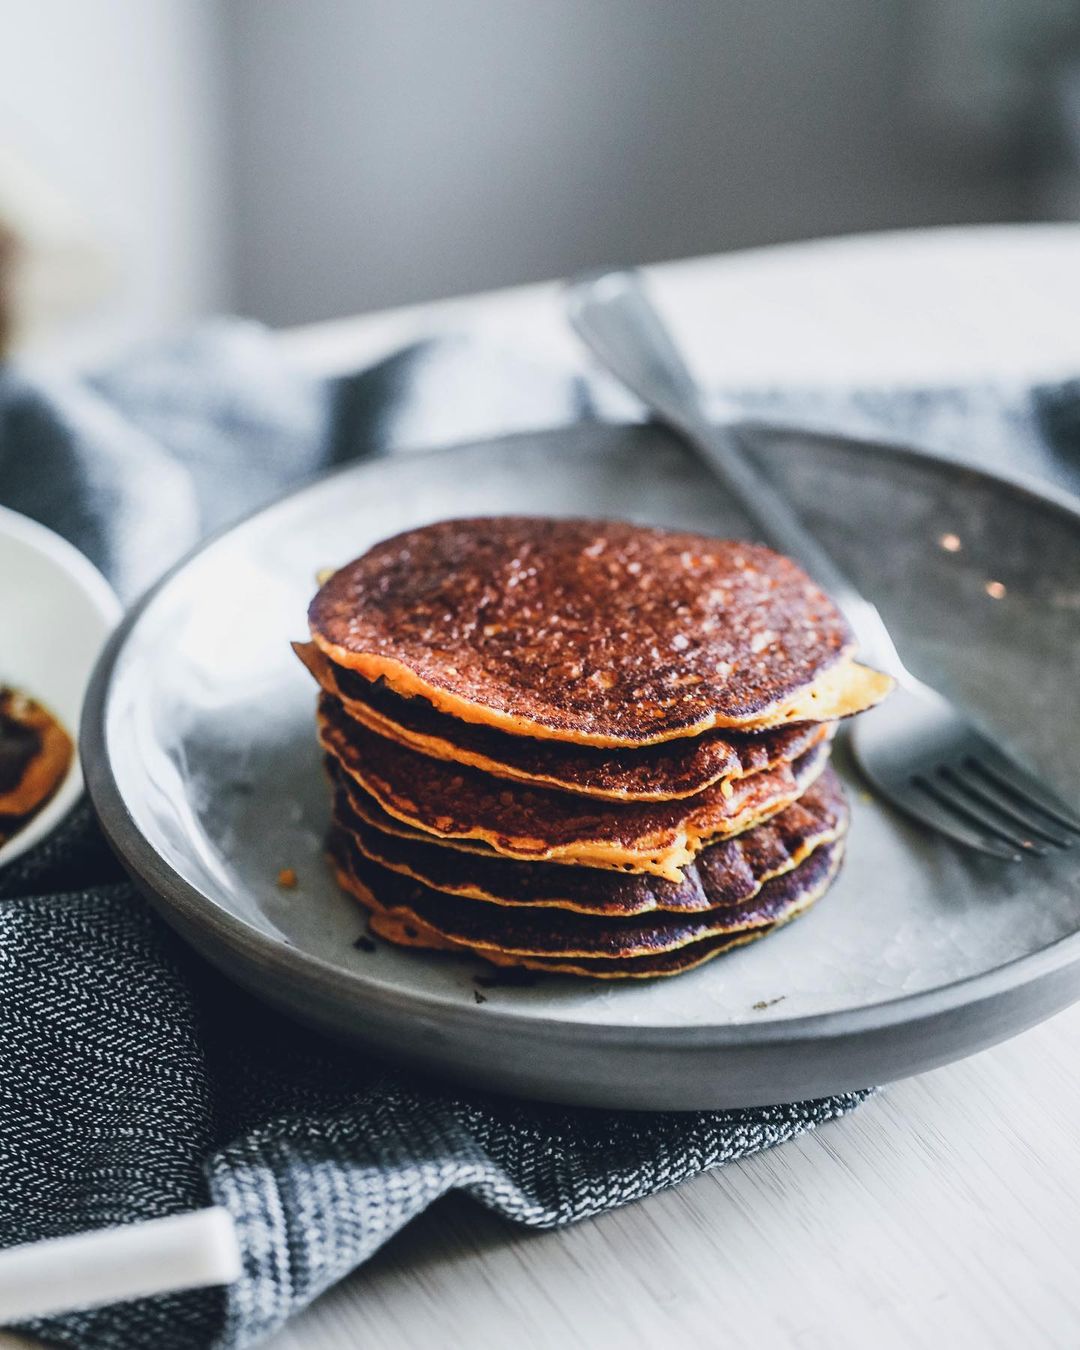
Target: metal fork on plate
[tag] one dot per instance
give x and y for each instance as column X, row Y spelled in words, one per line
column 916, row 749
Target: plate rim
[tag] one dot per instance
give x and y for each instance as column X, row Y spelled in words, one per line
column 171, row 892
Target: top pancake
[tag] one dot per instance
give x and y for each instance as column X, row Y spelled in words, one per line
column 590, row 631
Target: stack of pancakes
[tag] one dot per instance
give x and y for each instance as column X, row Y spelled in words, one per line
column 581, row 746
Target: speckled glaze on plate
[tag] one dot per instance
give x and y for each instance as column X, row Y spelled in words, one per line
column 200, row 753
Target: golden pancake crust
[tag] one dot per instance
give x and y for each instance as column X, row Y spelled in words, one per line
column 410, row 914
column 676, row 768
column 589, row 631
column 453, row 801
column 726, row 873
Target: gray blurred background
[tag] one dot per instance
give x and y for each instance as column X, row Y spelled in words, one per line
column 296, row 160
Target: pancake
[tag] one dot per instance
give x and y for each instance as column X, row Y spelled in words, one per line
column 678, row 768
column 726, row 873
column 654, row 966
column 553, row 934
column 399, row 904
column 368, row 810
column 456, row 802
column 594, row 632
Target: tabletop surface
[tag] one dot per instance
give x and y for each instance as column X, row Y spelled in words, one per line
column 945, row 1211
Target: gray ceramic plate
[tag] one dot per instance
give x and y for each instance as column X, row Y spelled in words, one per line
column 200, row 755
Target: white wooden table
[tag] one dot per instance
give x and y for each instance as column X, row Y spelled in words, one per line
column 945, row 1212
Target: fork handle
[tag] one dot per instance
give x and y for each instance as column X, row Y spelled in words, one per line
column 612, row 314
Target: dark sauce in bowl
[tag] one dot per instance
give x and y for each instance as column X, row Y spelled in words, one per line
column 35, row 755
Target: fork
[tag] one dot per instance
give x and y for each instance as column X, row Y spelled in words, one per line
column 916, row 749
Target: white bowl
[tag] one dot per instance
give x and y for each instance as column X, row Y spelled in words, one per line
column 56, row 610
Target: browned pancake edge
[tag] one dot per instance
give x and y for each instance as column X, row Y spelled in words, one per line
column 726, row 873
column 663, row 772
column 401, row 925
column 456, row 802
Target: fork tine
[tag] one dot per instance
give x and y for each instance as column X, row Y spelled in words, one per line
column 986, row 792
column 956, row 801
column 1011, row 777
column 929, row 806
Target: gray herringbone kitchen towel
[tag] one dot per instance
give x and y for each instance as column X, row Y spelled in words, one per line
column 134, row 1081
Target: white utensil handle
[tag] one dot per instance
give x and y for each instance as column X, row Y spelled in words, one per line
column 111, row 1265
